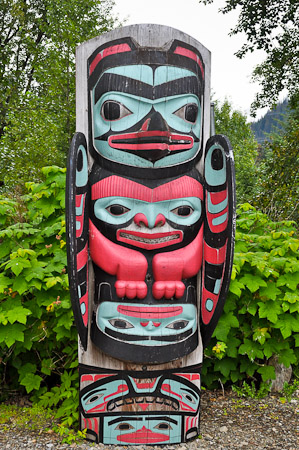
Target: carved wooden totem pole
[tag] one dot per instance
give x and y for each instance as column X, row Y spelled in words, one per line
column 150, row 223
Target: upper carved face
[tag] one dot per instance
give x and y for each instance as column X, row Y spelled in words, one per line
column 148, row 115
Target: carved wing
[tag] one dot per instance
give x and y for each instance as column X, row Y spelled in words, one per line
column 219, row 231
column 77, row 199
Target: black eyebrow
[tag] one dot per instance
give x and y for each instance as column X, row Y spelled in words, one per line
column 123, row 419
column 190, row 391
column 165, row 418
column 93, row 392
column 119, row 83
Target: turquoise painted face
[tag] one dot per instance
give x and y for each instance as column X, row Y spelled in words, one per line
column 188, row 399
column 96, row 400
column 147, row 325
column 142, row 429
column 147, row 118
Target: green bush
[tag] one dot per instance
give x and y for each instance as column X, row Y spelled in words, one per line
column 38, row 340
column 260, row 317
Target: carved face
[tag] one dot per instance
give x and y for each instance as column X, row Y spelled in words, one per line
column 147, row 325
column 131, row 214
column 145, row 117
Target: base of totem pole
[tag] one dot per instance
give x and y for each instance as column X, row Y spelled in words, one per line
column 140, row 407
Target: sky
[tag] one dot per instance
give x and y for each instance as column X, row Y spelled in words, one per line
column 231, row 77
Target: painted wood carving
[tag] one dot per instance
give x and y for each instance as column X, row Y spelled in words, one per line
column 150, row 223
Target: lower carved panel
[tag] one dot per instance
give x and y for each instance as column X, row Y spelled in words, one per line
column 140, row 407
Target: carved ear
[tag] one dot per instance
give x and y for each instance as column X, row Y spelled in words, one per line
column 77, row 199
column 219, row 231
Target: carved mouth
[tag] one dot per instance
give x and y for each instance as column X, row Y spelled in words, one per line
column 149, row 241
column 163, row 404
column 151, row 140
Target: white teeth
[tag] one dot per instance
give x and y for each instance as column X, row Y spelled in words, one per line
column 151, row 240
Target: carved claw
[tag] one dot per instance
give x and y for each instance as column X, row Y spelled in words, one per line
column 131, row 289
column 168, row 289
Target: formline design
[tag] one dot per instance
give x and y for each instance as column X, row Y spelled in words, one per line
column 150, row 213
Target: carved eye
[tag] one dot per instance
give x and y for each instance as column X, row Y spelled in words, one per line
column 188, row 112
column 117, row 210
column 124, row 426
column 120, row 323
column 189, row 398
column 112, row 110
column 178, row 324
column 94, row 397
column 163, row 426
column 184, row 211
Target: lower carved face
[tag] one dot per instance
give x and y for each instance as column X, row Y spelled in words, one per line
column 142, row 430
column 133, row 214
column 147, row 325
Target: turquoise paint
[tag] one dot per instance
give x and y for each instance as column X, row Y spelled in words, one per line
column 181, row 392
column 107, row 316
column 79, row 209
column 83, row 308
column 144, row 391
column 103, row 393
column 129, row 425
column 219, row 220
column 217, row 286
column 138, row 72
column 139, row 107
column 163, row 74
column 150, row 210
column 215, row 177
column 209, row 305
column 214, row 209
column 82, row 175
column 78, row 225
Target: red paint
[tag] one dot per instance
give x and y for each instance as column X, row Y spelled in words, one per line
column 84, row 299
column 190, row 54
column 149, row 237
column 115, row 186
column 171, row 267
column 82, row 258
column 144, row 324
column 156, row 324
column 143, row 406
column 129, row 266
column 80, row 218
column 140, row 219
column 173, row 144
column 150, row 312
column 189, row 376
column 143, row 436
column 121, row 48
column 213, row 256
column 145, row 386
column 218, row 197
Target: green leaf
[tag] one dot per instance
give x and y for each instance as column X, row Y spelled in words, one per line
column 31, row 382
column 287, row 357
column 269, row 310
column 270, row 292
column 225, row 366
column 291, row 280
column 9, row 334
column 20, row 285
column 226, row 322
column 267, row 372
column 18, row 314
column 252, row 349
column 236, row 287
column 287, row 323
column 252, row 282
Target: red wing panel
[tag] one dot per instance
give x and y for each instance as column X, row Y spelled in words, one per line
column 219, row 232
column 77, row 195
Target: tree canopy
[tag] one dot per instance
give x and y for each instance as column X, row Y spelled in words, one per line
column 273, row 26
column 37, row 83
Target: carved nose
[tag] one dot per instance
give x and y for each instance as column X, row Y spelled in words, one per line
column 141, row 220
column 157, row 123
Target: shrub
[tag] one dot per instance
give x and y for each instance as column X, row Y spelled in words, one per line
column 38, row 340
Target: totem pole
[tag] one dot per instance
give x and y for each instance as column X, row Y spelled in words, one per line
column 150, row 224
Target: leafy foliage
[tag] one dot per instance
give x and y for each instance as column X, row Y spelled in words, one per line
column 37, row 84
column 261, row 314
column 38, row 340
column 272, row 26
column 234, row 124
